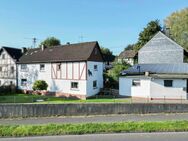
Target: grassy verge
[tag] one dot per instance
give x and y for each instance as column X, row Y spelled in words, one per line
column 23, row 98
column 90, row 128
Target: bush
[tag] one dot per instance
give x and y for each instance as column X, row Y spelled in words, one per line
column 7, row 89
column 40, row 85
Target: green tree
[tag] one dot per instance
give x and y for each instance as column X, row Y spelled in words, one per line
column 178, row 24
column 50, row 42
column 107, row 54
column 149, row 31
column 129, row 47
column 40, row 85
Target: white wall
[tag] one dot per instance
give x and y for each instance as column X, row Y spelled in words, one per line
column 33, row 73
column 6, row 77
column 125, row 85
column 152, row 88
column 158, row 90
column 64, row 77
column 96, row 75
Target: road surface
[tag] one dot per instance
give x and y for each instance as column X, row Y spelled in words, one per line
column 93, row 119
column 181, row 136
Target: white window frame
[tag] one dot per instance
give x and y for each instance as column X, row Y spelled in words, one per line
column 95, row 67
column 23, row 68
column 95, row 87
column 73, row 86
column 136, row 82
column 42, row 68
column 23, row 83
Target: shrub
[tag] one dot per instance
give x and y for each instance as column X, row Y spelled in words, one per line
column 40, row 85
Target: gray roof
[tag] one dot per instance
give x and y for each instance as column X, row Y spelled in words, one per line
column 181, row 68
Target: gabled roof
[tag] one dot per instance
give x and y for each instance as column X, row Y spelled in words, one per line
column 181, row 68
column 14, row 53
column 161, row 42
column 127, row 54
column 69, row 52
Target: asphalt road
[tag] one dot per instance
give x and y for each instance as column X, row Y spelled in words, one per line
column 92, row 119
column 181, row 136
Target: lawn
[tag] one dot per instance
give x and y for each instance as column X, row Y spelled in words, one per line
column 91, row 128
column 23, row 98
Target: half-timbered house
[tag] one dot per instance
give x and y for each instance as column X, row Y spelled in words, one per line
column 8, row 58
column 72, row 70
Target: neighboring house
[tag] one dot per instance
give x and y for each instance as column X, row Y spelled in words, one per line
column 155, row 81
column 161, row 49
column 74, row 70
column 160, row 74
column 128, row 56
column 108, row 59
column 8, row 58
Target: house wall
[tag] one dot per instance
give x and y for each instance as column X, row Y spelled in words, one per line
column 153, row 88
column 160, row 49
column 96, row 75
column 6, row 75
column 152, row 57
column 130, row 61
column 126, row 88
column 59, row 81
column 61, row 84
column 158, row 90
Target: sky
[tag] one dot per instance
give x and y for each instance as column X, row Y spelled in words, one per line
column 113, row 23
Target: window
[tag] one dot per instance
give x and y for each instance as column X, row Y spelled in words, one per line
column 136, row 82
column 0, row 69
column 95, row 84
column 74, row 85
column 168, row 83
column 23, row 67
column 23, row 82
column 0, row 82
column 42, row 67
column 3, row 56
column 12, row 70
column 11, row 82
column 58, row 67
column 95, row 67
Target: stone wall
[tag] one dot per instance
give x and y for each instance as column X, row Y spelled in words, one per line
column 47, row 110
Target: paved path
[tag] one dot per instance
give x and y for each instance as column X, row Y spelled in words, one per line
column 181, row 136
column 107, row 118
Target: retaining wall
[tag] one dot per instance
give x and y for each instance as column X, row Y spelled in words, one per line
column 46, row 110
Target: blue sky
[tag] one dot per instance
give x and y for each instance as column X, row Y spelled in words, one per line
column 114, row 23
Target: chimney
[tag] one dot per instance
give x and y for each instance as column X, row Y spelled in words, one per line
column 43, row 47
column 24, row 50
column 167, row 31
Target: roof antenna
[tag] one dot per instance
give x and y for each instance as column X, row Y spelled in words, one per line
column 34, row 41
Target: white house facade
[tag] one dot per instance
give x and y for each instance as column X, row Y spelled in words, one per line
column 160, row 74
column 8, row 70
column 74, row 70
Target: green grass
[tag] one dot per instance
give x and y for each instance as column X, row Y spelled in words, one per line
column 91, row 128
column 23, row 98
